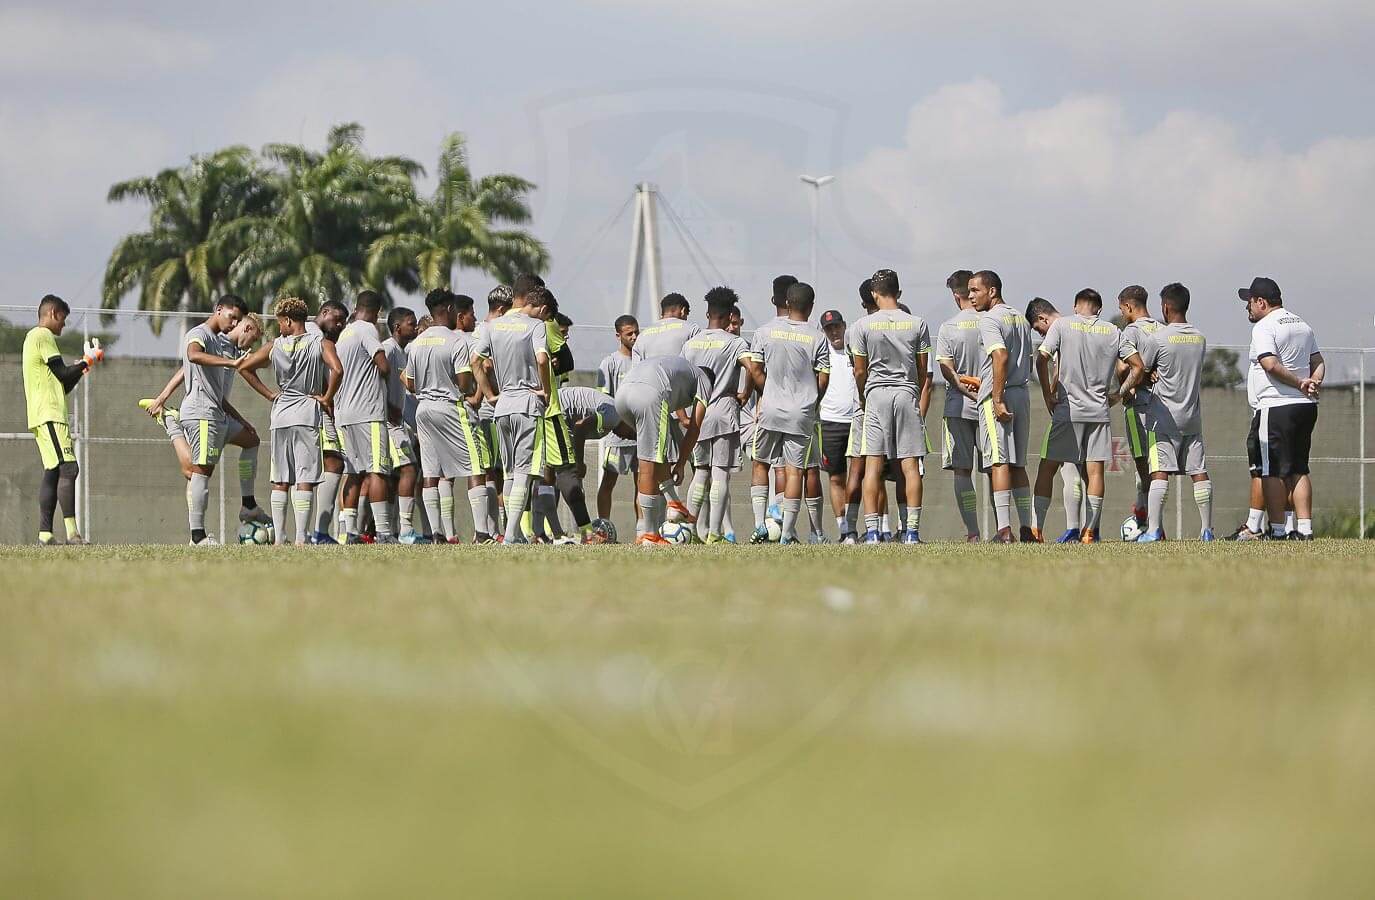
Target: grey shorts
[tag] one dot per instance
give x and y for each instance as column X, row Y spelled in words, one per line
column 330, row 442
column 296, row 456
column 961, row 442
column 892, row 425
column 206, row 439
column 657, row 434
column 449, row 445
column 175, row 430
column 401, row 445
column 720, row 452
column 366, row 448
column 778, row 448
column 492, row 435
column 1004, row 443
column 519, row 434
column 1077, row 442
column 1181, row 454
column 619, row 459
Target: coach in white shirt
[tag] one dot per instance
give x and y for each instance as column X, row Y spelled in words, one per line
column 1285, row 375
column 839, row 408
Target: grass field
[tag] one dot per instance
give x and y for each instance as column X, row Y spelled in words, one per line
column 1173, row 721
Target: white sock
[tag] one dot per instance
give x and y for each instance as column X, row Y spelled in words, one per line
column 759, row 503
column 790, row 510
column 1002, row 509
column 1155, row 503
column 967, row 500
column 516, row 491
column 719, row 501
column 381, row 517
column 198, row 497
column 430, row 498
column 885, row 526
column 1095, row 512
column 1255, row 519
column 814, row 514
column 279, row 504
column 446, row 508
column 670, row 490
column 1277, row 531
column 493, row 508
column 650, row 506
column 726, row 524
column 1203, row 498
column 326, row 495
column 301, row 501
column 1291, row 522
column 348, row 521
column 1072, row 496
column 873, row 522
column 914, row 518
column 405, row 511
column 697, row 490
column 477, row 504
column 1305, row 527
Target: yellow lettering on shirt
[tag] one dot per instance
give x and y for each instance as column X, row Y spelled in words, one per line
column 1091, row 329
column 1186, row 339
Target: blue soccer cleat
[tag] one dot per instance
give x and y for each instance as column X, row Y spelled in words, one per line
column 888, row 537
column 321, row 537
column 873, row 537
column 911, row 537
column 1151, row 537
column 1069, row 537
column 788, row 541
column 729, row 538
column 774, row 512
column 1207, row 536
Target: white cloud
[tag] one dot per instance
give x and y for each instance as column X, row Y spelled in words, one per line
column 1072, row 194
column 48, row 43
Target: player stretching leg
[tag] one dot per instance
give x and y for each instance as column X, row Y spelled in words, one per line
column 47, row 382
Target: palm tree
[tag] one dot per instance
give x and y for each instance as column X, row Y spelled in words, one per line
column 200, row 218
column 333, row 206
column 455, row 227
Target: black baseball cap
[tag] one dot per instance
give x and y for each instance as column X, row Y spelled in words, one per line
column 832, row 317
column 1264, row 288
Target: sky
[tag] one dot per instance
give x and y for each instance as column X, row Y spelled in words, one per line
column 1065, row 144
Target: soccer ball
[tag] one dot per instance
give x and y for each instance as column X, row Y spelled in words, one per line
column 775, row 528
column 255, row 533
column 1131, row 529
column 603, row 531
column 676, row 532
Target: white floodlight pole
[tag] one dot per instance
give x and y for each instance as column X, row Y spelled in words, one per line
column 644, row 249
column 817, row 182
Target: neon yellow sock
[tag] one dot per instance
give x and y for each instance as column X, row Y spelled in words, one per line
column 527, row 524
column 71, row 526
column 45, row 537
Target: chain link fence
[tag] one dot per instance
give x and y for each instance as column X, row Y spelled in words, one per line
column 131, row 489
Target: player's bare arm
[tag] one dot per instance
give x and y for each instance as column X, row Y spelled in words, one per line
column 1135, row 375
column 1000, row 410
column 1047, row 377
column 334, row 376
column 160, row 401
column 923, row 384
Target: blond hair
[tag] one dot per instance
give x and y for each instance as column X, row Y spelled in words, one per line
column 293, row 308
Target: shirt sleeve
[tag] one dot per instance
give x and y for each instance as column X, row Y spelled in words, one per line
column 1125, row 347
column 924, row 339
column 45, row 345
column 539, row 337
column 195, row 336
column 1051, row 344
column 603, row 376
column 855, row 341
column 945, row 348
column 462, row 356
column 757, row 345
column 1263, row 343
column 483, row 346
column 741, row 350
column 990, row 336
column 821, row 354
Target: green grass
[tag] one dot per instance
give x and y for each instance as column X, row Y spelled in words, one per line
column 1173, row 721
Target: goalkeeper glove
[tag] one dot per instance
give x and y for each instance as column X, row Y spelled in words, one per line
column 92, row 352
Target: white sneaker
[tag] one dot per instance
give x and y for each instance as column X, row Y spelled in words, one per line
column 565, row 539
column 257, row 515
column 207, row 541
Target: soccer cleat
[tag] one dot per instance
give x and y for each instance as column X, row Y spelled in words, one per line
column 849, row 539
column 888, row 537
column 730, row 538
column 816, row 538
column 321, row 537
column 564, row 540
column 760, row 535
column 911, row 536
column 1151, row 537
column 1004, row 536
column 1207, row 536
column 714, row 539
column 257, row 515
column 354, row 539
column 1088, row 536
column 873, row 537
column 49, row 541
column 788, row 540
column 385, row 539
column 453, row 540
column 681, row 512
column 367, row 538
column 1071, row 536
column 76, row 540
column 1291, row 536
column 650, row 539
column 972, row 539
column 1246, row 534
column 167, row 411
column 207, row 541
column 410, row 537
column 1029, row 535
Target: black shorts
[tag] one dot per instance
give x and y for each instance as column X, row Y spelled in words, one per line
column 1280, row 439
column 835, row 439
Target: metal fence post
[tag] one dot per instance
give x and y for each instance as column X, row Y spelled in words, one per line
column 1361, row 479
column 83, row 490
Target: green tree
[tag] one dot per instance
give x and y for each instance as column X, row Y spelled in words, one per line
column 199, row 221
column 460, row 225
column 1220, row 369
column 333, row 206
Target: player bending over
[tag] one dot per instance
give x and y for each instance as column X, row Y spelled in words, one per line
column 591, row 414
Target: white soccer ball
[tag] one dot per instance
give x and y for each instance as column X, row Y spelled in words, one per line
column 676, row 532
column 775, row 528
column 1131, row 529
column 255, row 533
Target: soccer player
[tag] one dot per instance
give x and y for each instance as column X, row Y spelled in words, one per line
column 1132, row 305
column 439, row 371
column 591, row 414
column 749, row 428
column 360, row 415
column 838, row 411
column 1285, row 377
column 556, row 441
column 794, row 367
column 618, row 457
column 308, row 373
column 328, row 323
column 243, row 337
column 1041, row 313
column 890, row 350
column 957, row 353
column 667, row 336
column 1077, row 397
column 717, row 449
column 402, row 444
column 518, row 384
column 664, row 399
column 1004, row 406
column 47, row 382
column 1174, row 420
column 498, row 304
column 205, row 349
